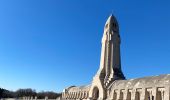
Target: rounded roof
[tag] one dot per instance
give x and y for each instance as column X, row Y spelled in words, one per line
column 80, row 88
column 145, row 82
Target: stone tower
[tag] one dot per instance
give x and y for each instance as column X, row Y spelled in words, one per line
column 109, row 83
column 110, row 62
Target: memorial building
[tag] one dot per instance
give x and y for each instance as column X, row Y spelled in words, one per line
column 109, row 83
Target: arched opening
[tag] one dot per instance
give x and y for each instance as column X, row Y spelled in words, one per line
column 115, row 96
column 137, row 96
column 159, row 96
column 76, row 95
column 129, row 96
column 86, row 95
column 121, row 95
column 95, row 95
column 147, row 96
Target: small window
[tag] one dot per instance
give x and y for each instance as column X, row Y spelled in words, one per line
column 106, row 26
column 114, row 25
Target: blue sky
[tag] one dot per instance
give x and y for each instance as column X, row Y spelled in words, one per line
column 52, row 44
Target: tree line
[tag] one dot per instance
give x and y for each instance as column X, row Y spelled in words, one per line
column 28, row 93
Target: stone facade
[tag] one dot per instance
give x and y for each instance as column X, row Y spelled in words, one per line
column 109, row 83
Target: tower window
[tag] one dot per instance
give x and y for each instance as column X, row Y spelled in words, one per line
column 106, row 26
column 114, row 25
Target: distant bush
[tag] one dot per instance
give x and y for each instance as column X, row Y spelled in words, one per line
column 28, row 92
column 50, row 95
column 6, row 93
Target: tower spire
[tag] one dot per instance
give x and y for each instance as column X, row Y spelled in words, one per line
column 110, row 63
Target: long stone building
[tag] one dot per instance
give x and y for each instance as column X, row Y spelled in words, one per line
column 109, row 83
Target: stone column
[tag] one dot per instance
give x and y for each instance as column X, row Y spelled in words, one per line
column 142, row 97
column 166, row 94
column 124, row 94
column 118, row 95
column 154, row 93
column 74, row 95
column 162, row 94
column 133, row 94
